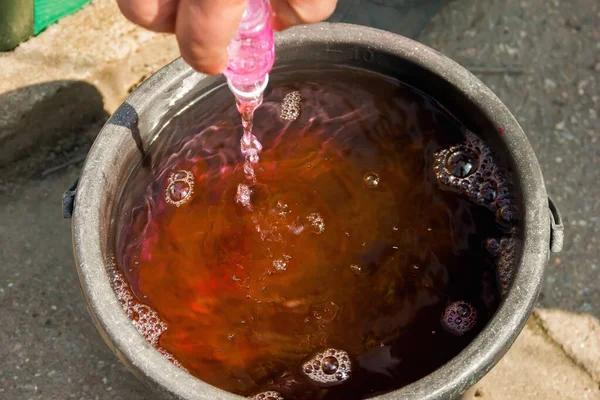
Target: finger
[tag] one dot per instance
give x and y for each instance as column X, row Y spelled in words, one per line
column 204, row 29
column 155, row 15
column 288, row 13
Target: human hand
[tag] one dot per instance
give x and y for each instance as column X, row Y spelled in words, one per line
column 204, row 28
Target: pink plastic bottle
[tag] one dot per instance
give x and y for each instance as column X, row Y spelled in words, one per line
column 251, row 53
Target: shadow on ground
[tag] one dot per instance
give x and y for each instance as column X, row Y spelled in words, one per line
column 44, row 114
column 50, row 348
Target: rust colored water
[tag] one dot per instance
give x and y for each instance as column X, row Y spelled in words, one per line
column 345, row 240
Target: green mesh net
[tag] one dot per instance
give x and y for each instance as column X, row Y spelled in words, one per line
column 47, row 12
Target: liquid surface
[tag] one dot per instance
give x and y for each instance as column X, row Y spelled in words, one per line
column 349, row 265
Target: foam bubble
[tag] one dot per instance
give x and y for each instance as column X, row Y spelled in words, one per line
column 270, row 395
column 180, row 188
column 504, row 251
column 290, row 106
column 469, row 168
column 459, row 318
column 317, row 224
column 371, row 180
column 144, row 318
column 172, row 358
column 281, row 264
column 460, row 164
column 328, row 368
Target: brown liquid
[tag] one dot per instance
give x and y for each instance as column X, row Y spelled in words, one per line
column 349, row 242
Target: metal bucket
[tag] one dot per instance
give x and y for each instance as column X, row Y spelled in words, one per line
column 125, row 139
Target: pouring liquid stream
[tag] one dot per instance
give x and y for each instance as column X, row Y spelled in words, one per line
column 251, row 56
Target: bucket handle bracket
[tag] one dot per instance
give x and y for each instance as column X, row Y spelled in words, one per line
column 557, row 229
column 68, row 200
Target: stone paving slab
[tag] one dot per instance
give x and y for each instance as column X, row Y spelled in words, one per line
column 538, row 367
column 577, row 335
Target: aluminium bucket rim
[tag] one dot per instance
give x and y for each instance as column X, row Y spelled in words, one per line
column 448, row 381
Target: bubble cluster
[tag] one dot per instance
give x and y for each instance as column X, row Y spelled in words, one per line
column 171, row 358
column 469, row 168
column 328, row 368
column 281, row 264
column 281, row 209
column 504, row 252
column 144, row 318
column 180, row 187
column 290, row 106
column 459, row 317
column 371, row 180
column 270, row 395
column 317, row 224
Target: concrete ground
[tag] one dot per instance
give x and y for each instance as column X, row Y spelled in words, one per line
column 550, row 51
